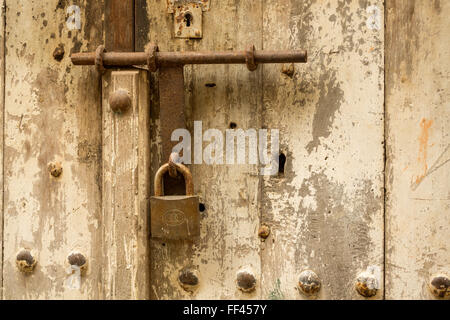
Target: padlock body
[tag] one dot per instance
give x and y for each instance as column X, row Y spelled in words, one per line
column 174, row 217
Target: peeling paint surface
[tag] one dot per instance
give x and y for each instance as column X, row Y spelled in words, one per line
column 418, row 145
column 75, row 175
column 325, row 212
column 51, row 116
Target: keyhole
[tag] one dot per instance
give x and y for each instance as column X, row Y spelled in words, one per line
column 188, row 19
column 281, row 163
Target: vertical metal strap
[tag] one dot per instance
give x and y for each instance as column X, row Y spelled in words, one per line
column 172, row 116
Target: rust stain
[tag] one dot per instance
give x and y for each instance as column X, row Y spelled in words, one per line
column 423, row 150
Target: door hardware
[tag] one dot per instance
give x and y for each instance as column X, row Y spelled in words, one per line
column 157, row 59
column 174, row 217
column 172, row 109
column 188, row 17
column 171, row 80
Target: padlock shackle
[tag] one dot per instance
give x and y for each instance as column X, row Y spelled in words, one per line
column 180, row 168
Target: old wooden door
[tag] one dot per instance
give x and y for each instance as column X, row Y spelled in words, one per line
column 325, row 210
column 77, row 178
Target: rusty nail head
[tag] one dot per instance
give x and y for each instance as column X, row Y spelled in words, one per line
column 288, row 69
column 58, row 53
column 55, row 169
column 264, row 231
column 188, row 279
column 120, row 101
column 246, row 281
column 309, row 283
column 440, row 286
column 367, row 285
column 77, row 259
column 25, row 261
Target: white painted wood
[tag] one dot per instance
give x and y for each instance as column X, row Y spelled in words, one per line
column 52, row 116
column 126, row 160
column 418, row 146
column 2, row 108
column 229, row 225
column 326, row 210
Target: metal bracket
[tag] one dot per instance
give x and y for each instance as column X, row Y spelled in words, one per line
column 171, row 81
column 188, row 17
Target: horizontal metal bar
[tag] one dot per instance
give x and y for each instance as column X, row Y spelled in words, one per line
column 121, row 59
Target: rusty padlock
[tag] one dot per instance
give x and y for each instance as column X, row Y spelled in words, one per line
column 174, row 217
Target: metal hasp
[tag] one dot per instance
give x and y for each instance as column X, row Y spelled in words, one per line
column 171, row 81
column 188, row 17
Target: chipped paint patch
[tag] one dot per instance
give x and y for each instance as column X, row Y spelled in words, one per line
column 330, row 99
column 425, row 126
column 374, row 21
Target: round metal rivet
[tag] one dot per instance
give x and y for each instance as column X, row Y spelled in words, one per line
column 440, row 286
column 367, row 284
column 309, row 283
column 188, row 279
column 120, row 101
column 264, row 231
column 77, row 259
column 58, row 53
column 246, row 281
column 288, row 69
column 25, row 261
column 55, row 169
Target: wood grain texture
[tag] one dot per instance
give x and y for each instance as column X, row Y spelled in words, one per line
column 229, row 224
column 2, row 108
column 418, row 146
column 126, row 189
column 119, row 25
column 326, row 210
column 141, row 24
column 52, row 115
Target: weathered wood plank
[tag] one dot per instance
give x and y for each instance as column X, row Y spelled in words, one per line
column 119, row 25
column 230, row 193
column 141, row 24
column 326, row 211
column 52, row 117
column 126, row 188
column 418, row 146
column 2, row 101
column 228, row 240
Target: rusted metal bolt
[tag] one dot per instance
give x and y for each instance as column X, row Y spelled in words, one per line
column 120, row 101
column 309, row 283
column 367, row 284
column 188, row 279
column 264, row 231
column 440, row 286
column 288, row 69
column 59, row 52
column 25, row 261
column 55, row 169
column 246, row 281
column 77, row 260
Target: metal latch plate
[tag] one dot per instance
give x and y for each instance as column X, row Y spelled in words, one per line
column 188, row 15
column 172, row 4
